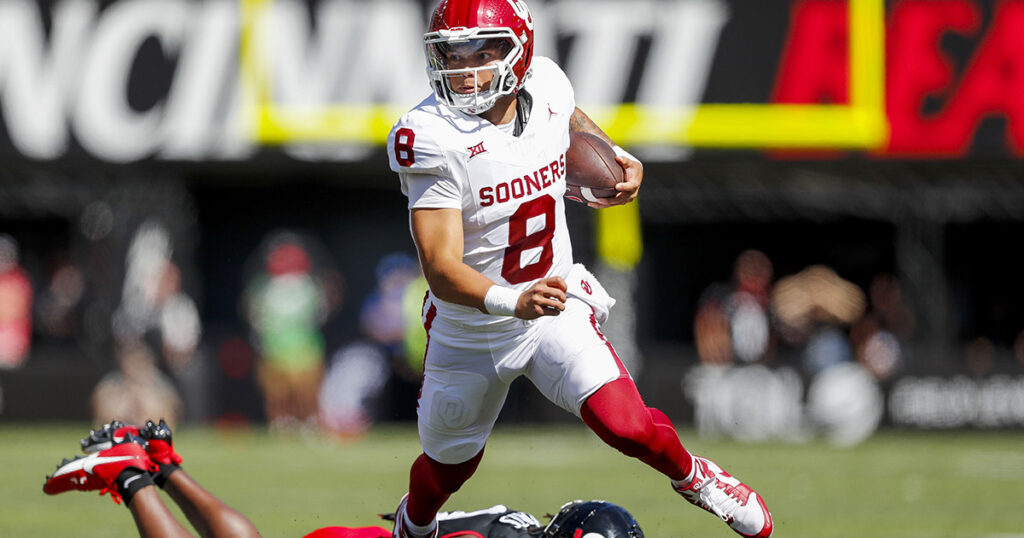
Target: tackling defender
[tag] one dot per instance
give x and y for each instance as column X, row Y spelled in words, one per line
column 482, row 161
column 127, row 462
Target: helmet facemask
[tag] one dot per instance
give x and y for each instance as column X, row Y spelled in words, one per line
column 444, row 46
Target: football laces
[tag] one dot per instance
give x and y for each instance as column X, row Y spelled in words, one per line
column 718, row 501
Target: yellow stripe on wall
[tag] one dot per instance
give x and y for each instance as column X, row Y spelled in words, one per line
column 861, row 124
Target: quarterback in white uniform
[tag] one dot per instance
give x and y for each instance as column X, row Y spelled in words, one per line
column 482, row 161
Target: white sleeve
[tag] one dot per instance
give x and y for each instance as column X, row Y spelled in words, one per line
column 554, row 81
column 426, row 191
column 412, row 146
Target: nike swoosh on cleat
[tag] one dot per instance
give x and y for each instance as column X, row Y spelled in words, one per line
column 89, row 465
column 70, row 466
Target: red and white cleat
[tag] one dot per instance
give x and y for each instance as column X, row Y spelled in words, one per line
column 99, row 470
column 107, row 436
column 159, row 442
column 731, row 500
column 400, row 530
column 158, row 439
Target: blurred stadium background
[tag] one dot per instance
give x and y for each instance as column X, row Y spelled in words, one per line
column 197, row 221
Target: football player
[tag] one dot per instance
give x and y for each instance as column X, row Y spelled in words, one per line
column 127, row 462
column 593, row 519
column 482, row 161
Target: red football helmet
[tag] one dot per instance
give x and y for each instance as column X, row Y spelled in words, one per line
column 495, row 33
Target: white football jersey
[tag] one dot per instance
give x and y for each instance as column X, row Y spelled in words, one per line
column 510, row 189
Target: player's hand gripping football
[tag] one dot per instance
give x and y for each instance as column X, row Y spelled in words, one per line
column 546, row 297
column 633, row 175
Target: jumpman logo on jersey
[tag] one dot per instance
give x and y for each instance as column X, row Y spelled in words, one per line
column 551, row 113
column 476, row 150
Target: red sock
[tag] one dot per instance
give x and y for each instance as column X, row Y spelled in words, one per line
column 617, row 414
column 432, row 482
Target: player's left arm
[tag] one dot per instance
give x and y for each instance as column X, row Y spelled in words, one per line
column 633, row 171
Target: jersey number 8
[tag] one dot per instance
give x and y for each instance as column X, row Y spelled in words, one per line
column 519, row 241
column 404, row 140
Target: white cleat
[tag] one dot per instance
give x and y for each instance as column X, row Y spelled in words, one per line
column 731, row 500
column 400, row 530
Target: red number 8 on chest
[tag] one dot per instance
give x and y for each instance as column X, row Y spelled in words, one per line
column 520, row 241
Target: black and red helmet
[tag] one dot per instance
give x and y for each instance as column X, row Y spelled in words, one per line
column 592, row 519
column 469, row 25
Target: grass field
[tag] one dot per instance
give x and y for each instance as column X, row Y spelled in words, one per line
column 896, row 485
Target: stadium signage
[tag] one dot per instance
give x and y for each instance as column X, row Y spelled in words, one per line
column 171, row 80
column 958, row 402
column 105, row 78
column 844, row 403
column 163, row 79
column 936, row 100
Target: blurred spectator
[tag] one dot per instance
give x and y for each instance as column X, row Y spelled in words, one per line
column 878, row 338
column 826, row 347
column 58, row 302
column 980, row 356
column 15, row 306
column 153, row 301
column 881, row 353
column 382, row 316
column 178, row 323
column 136, row 391
column 286, row 304
column 391, row 320
column 711, row 326
column 732, row 323
column 749, row 321
column 813, row 308
column 356, row 375
column 156, row 313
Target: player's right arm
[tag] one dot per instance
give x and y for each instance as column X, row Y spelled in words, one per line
column 439, row 241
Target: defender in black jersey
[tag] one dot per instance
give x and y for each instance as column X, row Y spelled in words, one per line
column 576, row 519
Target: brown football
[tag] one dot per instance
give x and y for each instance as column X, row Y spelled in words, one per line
column 591, row 169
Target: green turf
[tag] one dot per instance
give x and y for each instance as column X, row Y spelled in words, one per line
column 896, row 485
